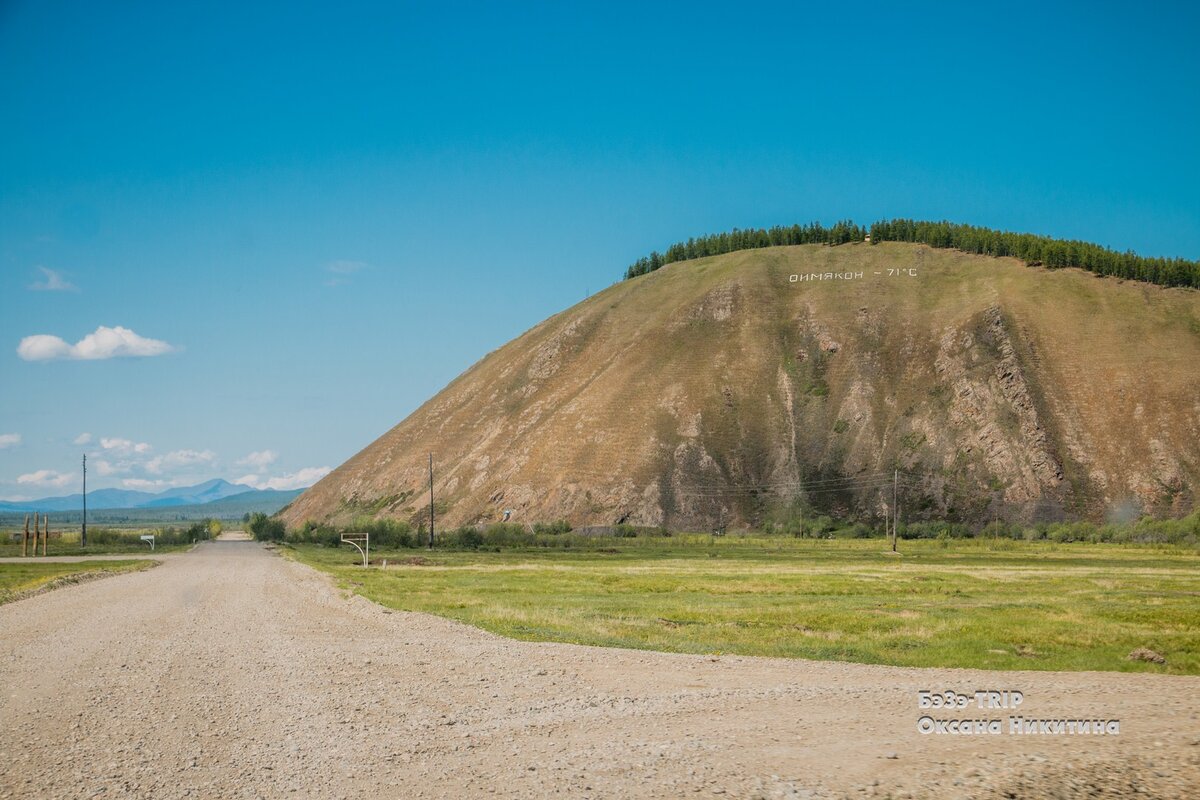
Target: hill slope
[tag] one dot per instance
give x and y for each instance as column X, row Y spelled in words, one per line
column 712, row 390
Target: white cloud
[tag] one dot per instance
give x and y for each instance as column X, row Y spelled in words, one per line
column 141, row 484
column 9, row 440
column 345, row 267
column 301, row 479
column 178, row 459
column 106, row 468
column 54, row 282
column 259, row 459
column 47, row 478
column 104, row 343
column 83, row 438
column 342, row 270
column 124, row 447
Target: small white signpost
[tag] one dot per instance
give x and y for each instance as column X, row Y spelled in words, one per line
column 148, row 537
column 355, row 538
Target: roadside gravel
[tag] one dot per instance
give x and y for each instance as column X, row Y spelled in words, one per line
column 231, row 672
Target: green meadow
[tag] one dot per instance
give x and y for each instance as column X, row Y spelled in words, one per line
column 991, row 604
column 110, row 540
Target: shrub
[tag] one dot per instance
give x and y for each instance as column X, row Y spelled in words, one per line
column 468, row 537
column 998, row 529
column 316, row 533
column 106, row 536
column 508, row 534
column 266, row 529
column 386, row 533
column 934, row 530
column 858, row 530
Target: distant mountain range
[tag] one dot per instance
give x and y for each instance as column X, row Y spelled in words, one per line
column 198, row 495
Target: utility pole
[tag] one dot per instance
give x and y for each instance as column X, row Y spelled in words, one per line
column 895, row 509
column 431, row 501
column 83, row 536
column 887, row 521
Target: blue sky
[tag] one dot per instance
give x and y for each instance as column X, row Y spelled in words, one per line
column 324, row 212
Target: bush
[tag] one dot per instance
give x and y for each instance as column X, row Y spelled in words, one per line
column 106, row 536
column 998, row 529
column 508, row 534
column 558, row 526
column 316, row 533
column 468, row 537
column 266, row 529
column 858, row 530
column 386, row 533
column 199, row 531
column 934, row 530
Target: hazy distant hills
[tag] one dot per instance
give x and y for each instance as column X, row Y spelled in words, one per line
column 200, row 494
column 713, row 390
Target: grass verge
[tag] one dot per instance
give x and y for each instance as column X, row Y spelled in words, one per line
column 20, row 580
column 993, row 604
column 110, row 542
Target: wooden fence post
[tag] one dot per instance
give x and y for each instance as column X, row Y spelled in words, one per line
column 46, row 536
column 37, row 532
column 25, row 538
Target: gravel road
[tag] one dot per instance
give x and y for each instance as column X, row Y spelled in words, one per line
column 229, row 671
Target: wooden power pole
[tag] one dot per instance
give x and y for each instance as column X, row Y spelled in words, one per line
column 431, row 501
column 895, row 509
column 83, row 536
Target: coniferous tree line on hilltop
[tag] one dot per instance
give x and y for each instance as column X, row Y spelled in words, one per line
column 1032, row 249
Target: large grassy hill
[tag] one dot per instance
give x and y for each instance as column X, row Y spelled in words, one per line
column 712, row 391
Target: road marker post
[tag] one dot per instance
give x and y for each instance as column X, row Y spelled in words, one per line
column 354, row 539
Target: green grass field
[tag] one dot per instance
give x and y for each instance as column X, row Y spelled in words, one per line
column 68, row 545
column 111, row 541
column 994, row 604
column 20, row 578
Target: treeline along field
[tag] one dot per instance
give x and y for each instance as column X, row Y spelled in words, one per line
column 1031, row 248
column 785, row 523
column 115, row 540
